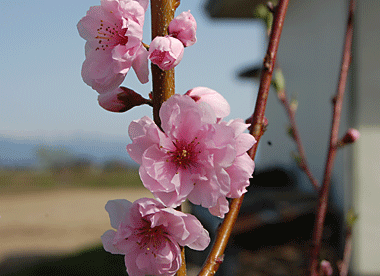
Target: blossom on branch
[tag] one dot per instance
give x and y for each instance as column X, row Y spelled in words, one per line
column 120, row 99
column 150, row 235
column 196, row 157
column 184, row 27
column 113, row 32
column 166, row 52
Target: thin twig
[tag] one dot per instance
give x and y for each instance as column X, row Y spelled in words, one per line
column 215, row 257
column 297, row 138
column 347, row 253
column 337, row 103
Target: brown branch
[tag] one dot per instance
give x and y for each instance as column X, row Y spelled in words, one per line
column 337, row 103
column 297, row 138
column 162, row 13
column 215, row 257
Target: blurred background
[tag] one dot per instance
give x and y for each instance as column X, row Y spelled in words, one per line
column 62, row 157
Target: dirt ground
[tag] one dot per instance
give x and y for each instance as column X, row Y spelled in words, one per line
column 56, row 221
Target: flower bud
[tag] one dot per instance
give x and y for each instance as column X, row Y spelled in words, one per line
column 351, row 218
column 278, row 80
column 184, row 28
column 120, row 99
column 166, row 52
column 326, row 268
column 350, row 137
column 293, row 105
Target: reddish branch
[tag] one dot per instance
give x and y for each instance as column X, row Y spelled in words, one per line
column 337, row 104
column 347, row 253
column 215, row 257
column 297, row 138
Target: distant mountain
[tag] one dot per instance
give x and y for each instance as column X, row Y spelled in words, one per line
column 18, row 150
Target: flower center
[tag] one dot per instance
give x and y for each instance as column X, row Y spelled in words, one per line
column 184, row 155
column 110, row 36
column 151, row 238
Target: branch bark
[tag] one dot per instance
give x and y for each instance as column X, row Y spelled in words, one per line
column 337, row 108
column 162, row 13
column 215, row 257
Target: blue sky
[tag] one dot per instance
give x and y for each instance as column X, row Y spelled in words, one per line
column 40, row 63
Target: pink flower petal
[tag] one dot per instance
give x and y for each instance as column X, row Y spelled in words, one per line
column 140, row 65
column 213, row 98
column 117, row 209
column 239, row 173
column 221, row 208
column 107, row 240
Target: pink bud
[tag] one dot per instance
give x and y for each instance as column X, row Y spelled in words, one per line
column 120, row 99
column 350, row 137
column 166, row 52
column 184, row 28
column 326, row 268
column 218, row 103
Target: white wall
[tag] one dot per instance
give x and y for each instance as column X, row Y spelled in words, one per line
column 366, row 154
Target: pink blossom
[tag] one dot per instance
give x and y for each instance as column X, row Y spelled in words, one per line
column 150, row 235
column 113, row 32
column 191, row 154
column 166, row 52
column 243, row 166
column 241, row 169
column 184, row 28
column 213, row 98
column 120, row 99
column 192, row 157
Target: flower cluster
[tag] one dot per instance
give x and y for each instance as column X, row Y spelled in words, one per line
column 198, row 156
column 193, row 155
column 114, row 32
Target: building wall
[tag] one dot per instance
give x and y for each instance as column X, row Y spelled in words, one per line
column 366, row 154
column 310, row 56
